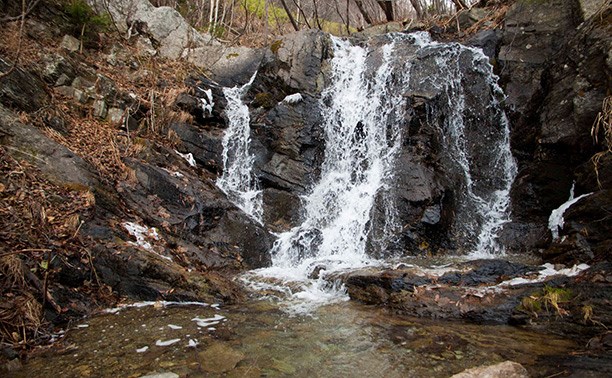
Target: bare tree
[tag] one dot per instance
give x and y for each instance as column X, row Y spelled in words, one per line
column 387, row 6
column 418, row 8
column 24, row 12
column 290, row 15
column 364, row 13
column 460, row 4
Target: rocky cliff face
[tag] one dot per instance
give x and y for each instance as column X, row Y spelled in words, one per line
column 555, row 66
column 553, row 62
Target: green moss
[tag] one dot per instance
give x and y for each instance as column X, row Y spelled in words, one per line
column 335, row 28
column 232, row 55
column 546, row 300
column 264, row 100
column 276, row 15
column 276, row 45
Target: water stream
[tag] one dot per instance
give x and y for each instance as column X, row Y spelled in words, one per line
column 257, row 339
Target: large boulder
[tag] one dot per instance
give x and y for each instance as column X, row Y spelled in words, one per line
column 164, row 26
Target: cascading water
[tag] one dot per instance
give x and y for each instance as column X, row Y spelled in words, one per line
column 365, row 110
column 483, row 156
column 237, row 180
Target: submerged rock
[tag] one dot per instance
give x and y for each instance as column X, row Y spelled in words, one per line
column 220, row 358
column 507, row 369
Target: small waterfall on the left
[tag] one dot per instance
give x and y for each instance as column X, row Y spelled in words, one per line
column 237, row 179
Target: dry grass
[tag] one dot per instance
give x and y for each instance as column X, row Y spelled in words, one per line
column 601, row 131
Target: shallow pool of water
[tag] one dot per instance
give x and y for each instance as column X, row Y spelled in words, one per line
column 257, row 339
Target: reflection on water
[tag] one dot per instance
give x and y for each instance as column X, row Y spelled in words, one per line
column 257, row 339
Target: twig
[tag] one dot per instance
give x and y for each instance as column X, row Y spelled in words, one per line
column 24, row 251
column 25, row 153
column 26, row 13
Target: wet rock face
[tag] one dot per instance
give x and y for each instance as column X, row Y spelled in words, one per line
column 198, row 213
column 20, row 89
column 555, row 70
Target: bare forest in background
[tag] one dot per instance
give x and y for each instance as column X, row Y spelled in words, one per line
column 255, row 21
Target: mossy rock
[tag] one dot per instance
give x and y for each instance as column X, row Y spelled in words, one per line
column 265, row 100
column 275, row 46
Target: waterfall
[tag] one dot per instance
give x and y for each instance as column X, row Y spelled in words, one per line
column 237, row 180
column 365, row 112
column 359, row 156
column 483, row 156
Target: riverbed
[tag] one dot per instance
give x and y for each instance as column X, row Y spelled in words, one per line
column 259, row 339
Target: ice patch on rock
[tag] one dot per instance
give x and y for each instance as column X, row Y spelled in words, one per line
column 556, row 221
column 142, row 234
column 152, row 303
column 188, row 157
column 293, row 99
column 207, row 322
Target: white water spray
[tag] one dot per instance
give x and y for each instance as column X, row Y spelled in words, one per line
column 237, row 180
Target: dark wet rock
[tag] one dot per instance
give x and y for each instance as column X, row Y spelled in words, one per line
column 555, row 75
column 586, row 232
column 470, row 291
column 205, row 145
column 21, row 90
column 488, row 41
column 485, row 272
column 199, row 213
column 281, row 209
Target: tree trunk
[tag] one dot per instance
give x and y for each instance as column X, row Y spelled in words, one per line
column 460, row 4
column 416, row 4
column 290, row 15
column 387, row 7
column 363, row 12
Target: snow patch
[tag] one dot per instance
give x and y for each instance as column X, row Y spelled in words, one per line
column 152, row 303
column 142, row 234
column 188, row 157
column 207, row 322
column 293, row 99
column 548, row 271
column 556, row 221
column 167, row 342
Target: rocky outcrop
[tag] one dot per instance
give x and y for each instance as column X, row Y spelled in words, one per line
column 556, row 70
column 487, row 291
column 164, row 27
